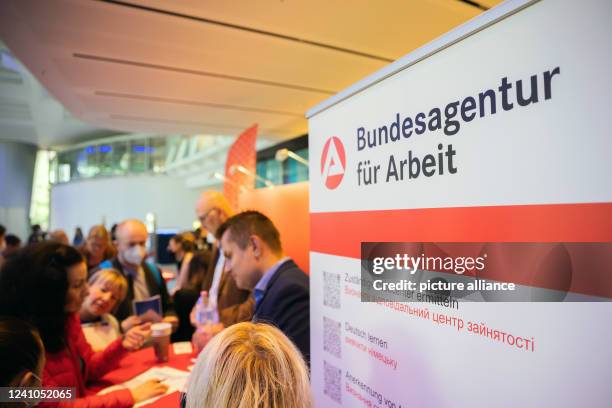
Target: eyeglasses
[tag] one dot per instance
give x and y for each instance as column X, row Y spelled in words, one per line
column 30, row 403
column 36, row 377
column 204, row 217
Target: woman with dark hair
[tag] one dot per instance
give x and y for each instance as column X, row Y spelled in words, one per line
column 182, row 246
column 187, row 296
column 21, row 352
column 197, row 270
column 46, row 284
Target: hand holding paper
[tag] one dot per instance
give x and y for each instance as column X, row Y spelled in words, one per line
column 149, row 310
column 130, row 322
column 136, row 337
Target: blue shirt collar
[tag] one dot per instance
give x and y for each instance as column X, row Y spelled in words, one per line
column 262, row 285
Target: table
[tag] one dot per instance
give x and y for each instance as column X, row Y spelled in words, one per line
column 138, row 362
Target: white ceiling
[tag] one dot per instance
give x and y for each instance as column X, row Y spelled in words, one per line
column 29, row 114
column 203, row 66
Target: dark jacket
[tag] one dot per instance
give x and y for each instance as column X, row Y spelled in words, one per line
column 155, row 284
column 286, row 304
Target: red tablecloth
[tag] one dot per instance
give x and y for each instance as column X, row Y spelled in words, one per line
column 138, row 362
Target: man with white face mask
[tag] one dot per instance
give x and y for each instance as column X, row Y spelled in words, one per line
column 144, row 278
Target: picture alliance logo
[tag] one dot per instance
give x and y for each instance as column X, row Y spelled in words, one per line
column 333, row 162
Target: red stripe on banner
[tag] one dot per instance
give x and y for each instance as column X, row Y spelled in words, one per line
column 341, row 233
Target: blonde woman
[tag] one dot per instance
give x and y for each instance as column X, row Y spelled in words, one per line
column 249, row 365
column 107, row 288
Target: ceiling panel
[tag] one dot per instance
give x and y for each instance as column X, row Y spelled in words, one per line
column 489, row 3
column 194, row 66
column 162, row 112
column 87, row 76
column 176, row 43
column 388, row 29
column 131, row 123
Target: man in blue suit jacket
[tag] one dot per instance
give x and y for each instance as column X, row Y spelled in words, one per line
column 255, row 259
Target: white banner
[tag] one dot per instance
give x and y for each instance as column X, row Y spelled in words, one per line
column 516, row 113
column 427, row 136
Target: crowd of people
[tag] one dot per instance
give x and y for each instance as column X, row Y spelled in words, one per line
column 67, row 314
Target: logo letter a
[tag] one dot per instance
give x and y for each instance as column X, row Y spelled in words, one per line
column 333, row 165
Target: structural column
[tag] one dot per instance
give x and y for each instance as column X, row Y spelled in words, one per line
column 16, row 176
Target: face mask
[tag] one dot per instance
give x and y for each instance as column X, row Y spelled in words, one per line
column 134, row 255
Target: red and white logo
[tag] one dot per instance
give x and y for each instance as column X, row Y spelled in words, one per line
column 333, row 162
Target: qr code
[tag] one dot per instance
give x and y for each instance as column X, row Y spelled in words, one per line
column 333, row 382
column 331, row 336
column 331, row 291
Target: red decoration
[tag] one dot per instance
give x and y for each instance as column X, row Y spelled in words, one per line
column 240, row 165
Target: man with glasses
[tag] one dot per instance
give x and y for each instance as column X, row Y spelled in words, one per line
column 233, row 304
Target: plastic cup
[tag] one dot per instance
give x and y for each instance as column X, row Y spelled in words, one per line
column 160, row 333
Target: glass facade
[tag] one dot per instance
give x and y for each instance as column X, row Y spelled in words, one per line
column 294, row 171
column 282, row 172
column 112, row 158
column 134, row 154
column 270, row 170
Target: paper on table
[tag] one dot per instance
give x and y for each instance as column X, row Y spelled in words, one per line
column 173, row 378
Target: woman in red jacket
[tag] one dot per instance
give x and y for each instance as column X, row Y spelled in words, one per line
column 46, row 284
